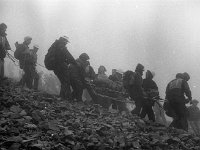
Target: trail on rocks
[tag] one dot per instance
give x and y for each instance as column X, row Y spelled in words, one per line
column 39, row 121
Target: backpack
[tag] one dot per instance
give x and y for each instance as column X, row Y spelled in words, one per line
column 50, row 60
column 128, row 79
column 19, row 51
column 168, row 110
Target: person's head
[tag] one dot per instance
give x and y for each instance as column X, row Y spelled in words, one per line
column 63, row 40
column 102, row 70
column 179, row 75
column 195, row 102
column 27, row 40
column 84, row 57
column 139, row 68
column 3, row 27
column 35, row 48
column 186, row 76
column 150, row 74
column 114, row 71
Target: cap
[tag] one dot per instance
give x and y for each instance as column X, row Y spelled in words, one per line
column 153, row 73
column 3, row 25
column 27, row 38
column 150, row 74
column 139, row 67
column 64, row 38
column 179, row 75
column 84, row 56
column 186, row 76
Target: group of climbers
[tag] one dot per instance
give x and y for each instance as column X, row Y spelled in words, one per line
column 145, row 94
column 142, row 91
column 74, row 74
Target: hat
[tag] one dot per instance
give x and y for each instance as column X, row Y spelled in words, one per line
column 153, row 73
column 84, row 56
column 3, row 25
column 186, row 76
column 150, row 74
column 36, row 46
column 64, row 38
column 139, row 67
column 179, row 75
column 195, row 101
column 27, row 38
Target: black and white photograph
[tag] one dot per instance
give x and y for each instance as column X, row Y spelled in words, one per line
column 99, row 75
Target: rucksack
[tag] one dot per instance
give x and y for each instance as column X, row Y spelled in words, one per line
column 19, row 51
column 50, row 60
column 128, row 79
column 168, row 110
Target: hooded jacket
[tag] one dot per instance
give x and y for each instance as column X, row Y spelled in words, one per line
column 177, row 89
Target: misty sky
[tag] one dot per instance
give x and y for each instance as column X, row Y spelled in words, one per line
column 163, row 35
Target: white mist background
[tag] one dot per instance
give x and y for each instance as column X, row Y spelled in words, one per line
column 163, row 35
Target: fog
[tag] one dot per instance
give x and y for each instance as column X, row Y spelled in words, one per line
column 163, row 35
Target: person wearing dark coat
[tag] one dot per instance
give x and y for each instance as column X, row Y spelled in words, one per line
column 24, row 61
column 34, row 74
column 4, row 46
column 151, row 90
column 77, row 76
column 176, row 91
column 62, row 59
column 136, row 91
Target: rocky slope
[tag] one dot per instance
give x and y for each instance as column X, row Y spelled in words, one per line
column 39, row 121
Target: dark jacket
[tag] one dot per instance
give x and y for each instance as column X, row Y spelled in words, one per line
column 177, row 89
column 62, row 55
column 4, row 45
column 135, row 90
column 24, row 57
column 77, row 71
column 150, row 87
column 149, row 84
column 194, row 113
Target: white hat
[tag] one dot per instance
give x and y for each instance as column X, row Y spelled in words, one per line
column 36, row 46
column 153, row 73
column 65, row 38
column 27, row 38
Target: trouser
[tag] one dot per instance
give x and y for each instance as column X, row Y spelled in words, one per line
column 138, row 105
column 148, row 110
column 62, row 72
column 1, row 68
column 27, row 77
column 195, row 125
column 35, row 79
column 77, row 87
column 159, row 114
column 180, row 118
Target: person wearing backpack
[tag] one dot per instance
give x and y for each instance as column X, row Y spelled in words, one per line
column 176, row 91
column 132, row 82
column 77, row 76
column 58, row 59
column 137, row 90
column 4, row 46
column 151, row 90
column 22, row 53
column 35, row 75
